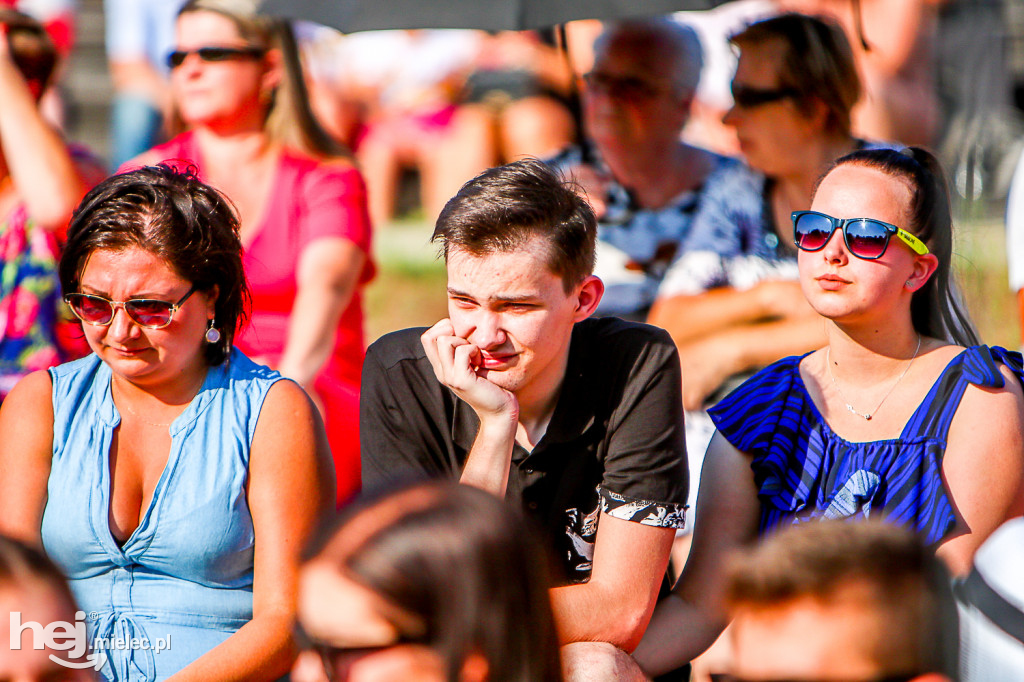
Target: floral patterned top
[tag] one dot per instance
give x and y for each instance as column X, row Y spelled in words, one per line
column 37, row 330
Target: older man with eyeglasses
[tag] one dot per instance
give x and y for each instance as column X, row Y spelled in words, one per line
column 644, row 182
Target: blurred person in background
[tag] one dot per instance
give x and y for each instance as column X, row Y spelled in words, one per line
column 239, row 90
column 513, row 104
column 434, row 582
column 1015, row 238
column 58, row 19
column 42, row 178
column 326, row 63
column 33, row 590
column 713, row 98
column 173, row 479
column 408, row 83
column 139, row 35
column 644, row 183
column 840, row 601
column 991, row 601
column 894, row 45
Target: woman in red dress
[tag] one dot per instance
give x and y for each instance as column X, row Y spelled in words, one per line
column 240, row 96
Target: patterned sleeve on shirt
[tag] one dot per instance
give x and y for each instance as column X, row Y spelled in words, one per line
column 730, row 220
column 646, row 512
column 729, row 243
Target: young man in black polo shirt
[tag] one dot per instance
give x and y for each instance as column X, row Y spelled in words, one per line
column 517, row 392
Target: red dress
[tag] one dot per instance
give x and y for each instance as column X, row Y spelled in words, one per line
column 310, row 200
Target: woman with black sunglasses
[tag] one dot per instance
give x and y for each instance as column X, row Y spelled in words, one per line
column 902, row 416
column 171, row 477
column 245, row 123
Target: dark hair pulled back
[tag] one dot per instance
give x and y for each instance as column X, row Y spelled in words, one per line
column 935, row 309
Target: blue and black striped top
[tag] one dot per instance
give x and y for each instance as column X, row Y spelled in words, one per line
column 804, row 471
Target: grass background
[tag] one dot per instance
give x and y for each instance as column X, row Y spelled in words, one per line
column 409, row 289
column 980, row 264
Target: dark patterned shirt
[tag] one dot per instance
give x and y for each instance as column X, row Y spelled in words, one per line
column 614, row 443
column 635, row 245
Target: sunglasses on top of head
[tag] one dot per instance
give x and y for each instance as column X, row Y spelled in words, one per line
column 146, row 312
column 865, row 238
column 215, row 54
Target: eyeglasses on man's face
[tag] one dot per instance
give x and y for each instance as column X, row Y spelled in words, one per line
column 622, row 88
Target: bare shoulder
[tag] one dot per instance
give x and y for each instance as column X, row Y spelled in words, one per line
column 989, row 419
column 286, row 410
column 933, row 357
column 290, row 459
column 26, row 451
column 30, row 403
column 995, row 408
column 983, row 465
column 1005, row 400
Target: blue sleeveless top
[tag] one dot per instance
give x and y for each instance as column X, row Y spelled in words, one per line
column 804, row 471
column 182, row 582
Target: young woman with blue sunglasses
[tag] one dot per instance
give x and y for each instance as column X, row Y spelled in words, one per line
column 901, row 417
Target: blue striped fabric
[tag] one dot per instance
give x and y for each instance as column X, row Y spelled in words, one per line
column 804, row 471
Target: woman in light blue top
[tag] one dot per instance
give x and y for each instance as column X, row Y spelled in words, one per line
column 173, row 479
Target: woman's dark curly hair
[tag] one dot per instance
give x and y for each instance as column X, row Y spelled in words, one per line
column 168, row 212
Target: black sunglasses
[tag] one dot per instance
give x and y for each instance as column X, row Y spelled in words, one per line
column 146, row 312
column 215, row 54
column 866, row 238
column 747, row 97
column 337, row 660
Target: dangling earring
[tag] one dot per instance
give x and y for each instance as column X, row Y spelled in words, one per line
column 212, row 333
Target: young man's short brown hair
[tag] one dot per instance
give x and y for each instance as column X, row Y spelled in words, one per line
column 504, row 207
column 896, row 575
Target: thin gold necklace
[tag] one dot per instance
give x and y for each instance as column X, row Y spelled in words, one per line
column 866, row 416
column 142, row 419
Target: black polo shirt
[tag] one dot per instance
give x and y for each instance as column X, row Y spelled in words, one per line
column 614, row 444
